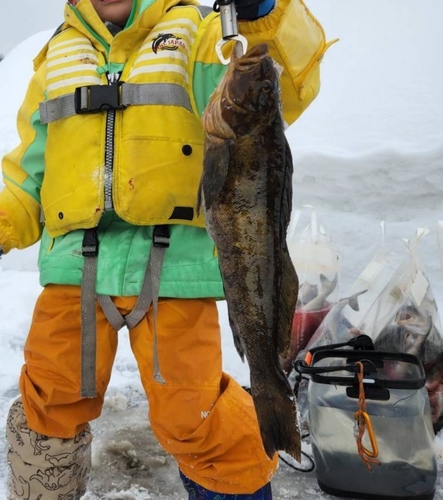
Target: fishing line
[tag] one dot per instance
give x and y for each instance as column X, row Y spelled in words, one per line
column 310, row 468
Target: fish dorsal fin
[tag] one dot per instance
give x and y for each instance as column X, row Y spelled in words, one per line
column 289, row 292
column 287, row 195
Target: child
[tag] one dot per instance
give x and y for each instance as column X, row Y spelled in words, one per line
column 106, row 177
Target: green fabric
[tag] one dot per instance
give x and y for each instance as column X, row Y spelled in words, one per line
column 190, row 269
column 110, row 68
column 144, row 4
column 31, row 161
column 210, row 74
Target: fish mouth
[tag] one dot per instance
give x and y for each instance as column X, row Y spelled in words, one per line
column 244, row 64
column 251, row 59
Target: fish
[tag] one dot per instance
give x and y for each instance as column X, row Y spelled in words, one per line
column 246, row 195
column 336, row 327
column 306, row 292
column 434, row 386
column 327, row 287
column 408, row 334
column 312, row 307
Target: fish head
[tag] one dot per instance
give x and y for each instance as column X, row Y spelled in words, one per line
column 306, row 292
column 412, row 319
column 252, row 86
column 248, row 93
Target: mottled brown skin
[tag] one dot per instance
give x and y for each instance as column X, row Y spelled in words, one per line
column 246, row 192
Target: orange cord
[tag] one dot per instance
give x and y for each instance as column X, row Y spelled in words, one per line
column 363, row 421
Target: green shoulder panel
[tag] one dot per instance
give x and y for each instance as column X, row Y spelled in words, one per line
column 205, row 80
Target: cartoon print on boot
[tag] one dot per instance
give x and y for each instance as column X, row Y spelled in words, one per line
column 17, row 425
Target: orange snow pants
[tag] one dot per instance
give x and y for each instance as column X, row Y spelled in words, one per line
column 200, row 415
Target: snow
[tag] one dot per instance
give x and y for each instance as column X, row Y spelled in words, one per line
column 370, row 149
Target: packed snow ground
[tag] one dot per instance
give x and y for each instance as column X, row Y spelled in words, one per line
column 370, row 149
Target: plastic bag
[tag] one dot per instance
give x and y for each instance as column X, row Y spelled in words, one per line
column 405, row 319
column 352, row 313
column 342, row 322
column 394, row 305
column 317, row 260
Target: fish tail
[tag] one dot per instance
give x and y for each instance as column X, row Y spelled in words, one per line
column 277, row 418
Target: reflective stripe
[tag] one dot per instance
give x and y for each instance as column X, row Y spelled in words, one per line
column 167, row 94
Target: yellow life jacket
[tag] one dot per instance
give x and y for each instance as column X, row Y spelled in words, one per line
column 127, row 141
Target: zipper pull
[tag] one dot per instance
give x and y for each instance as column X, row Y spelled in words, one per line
column 113, row 77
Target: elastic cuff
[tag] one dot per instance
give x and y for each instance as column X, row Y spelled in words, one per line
column 7, row 241
column 197, row 492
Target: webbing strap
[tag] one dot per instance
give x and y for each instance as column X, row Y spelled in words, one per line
column 148, row 295
column 116, row 320
column 155, row 93
column 88, row 314
column 57, row 108
column 67, row 105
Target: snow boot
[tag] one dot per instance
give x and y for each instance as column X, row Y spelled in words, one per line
column 43, row 467
column 197, row 492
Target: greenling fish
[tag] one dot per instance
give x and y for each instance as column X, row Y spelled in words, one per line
column 246, row 195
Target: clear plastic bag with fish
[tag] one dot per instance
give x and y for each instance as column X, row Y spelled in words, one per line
column 353, row 314
column 406, row 319
column 359, row 309
column 392, row 302
column 362, row 404
column 317, row 260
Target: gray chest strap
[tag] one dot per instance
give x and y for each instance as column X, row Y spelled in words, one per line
column 96, row 98
column 148, row 295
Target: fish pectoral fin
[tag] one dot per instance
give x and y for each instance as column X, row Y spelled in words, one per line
column 215, row 169
column 237, row 339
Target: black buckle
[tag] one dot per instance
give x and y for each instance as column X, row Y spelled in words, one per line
column 161, row 236
column 90, row 243
column 98, row 98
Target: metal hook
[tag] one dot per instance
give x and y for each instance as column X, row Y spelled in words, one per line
column 222, row 41
column 228, row 17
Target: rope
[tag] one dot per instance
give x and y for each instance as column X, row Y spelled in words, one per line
column 363, row 422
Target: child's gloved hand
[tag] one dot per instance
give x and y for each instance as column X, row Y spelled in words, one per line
column 7, row 239
column 253, row 9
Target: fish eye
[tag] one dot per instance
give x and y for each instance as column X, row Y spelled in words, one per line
column 266, row 86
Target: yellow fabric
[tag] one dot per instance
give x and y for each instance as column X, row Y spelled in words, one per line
column 20, row 225
column 297, row 42
column 23, row 220
column 201, row 415
column 151, row 173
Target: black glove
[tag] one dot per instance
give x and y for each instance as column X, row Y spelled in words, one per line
column 251, row 9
